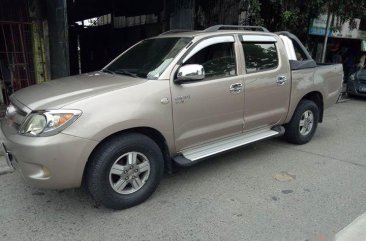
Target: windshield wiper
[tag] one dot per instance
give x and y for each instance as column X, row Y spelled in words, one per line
column 126, row 72
column 108, row 71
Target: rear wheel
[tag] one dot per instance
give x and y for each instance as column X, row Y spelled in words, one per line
column 303, row 124
column 124, row 171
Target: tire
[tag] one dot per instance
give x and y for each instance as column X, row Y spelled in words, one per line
column 303, row 124
column 131, row 156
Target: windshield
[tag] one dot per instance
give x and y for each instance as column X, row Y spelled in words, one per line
column 149, row 58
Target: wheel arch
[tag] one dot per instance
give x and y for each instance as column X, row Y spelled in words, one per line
column 152, row 133
column 317, row 98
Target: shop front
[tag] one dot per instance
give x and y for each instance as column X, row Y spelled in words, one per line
column 346, row 45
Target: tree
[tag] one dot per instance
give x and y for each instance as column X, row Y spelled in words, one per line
column 276, row 15
column 291, row 15
column 295, row 15
column 339, row 11
column 344, row 10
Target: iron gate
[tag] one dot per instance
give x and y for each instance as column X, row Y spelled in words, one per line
column 16, row 61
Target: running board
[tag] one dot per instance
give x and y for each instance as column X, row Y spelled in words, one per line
column 191, row 156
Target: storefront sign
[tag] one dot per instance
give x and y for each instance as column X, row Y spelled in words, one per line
column 318, row 27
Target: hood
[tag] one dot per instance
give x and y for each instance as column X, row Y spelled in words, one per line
column 60, row 92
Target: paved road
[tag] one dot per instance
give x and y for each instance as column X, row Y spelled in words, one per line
column 267, row 191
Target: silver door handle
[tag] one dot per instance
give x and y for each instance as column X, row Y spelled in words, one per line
column 236, row 88
column 281, row 80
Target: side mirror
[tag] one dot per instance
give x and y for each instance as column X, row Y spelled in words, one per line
column 190, row 72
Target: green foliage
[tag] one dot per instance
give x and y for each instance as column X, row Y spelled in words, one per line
column 295, row 15
column 345, row 10
column 254, row 11
column 291, row 15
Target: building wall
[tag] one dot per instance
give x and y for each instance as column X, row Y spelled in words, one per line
column 211, row 12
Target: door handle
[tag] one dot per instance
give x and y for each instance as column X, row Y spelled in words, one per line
column 281, row 80
column 236, row 88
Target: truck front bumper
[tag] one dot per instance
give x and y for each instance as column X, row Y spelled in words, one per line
column 54, row 162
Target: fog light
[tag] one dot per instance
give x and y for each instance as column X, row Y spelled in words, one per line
column 46, row 172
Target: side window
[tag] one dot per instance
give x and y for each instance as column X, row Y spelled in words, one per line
column 218, row 60
column 260, row 56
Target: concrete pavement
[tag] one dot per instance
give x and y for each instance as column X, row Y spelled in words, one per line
column 4, row 168
column 270, row 190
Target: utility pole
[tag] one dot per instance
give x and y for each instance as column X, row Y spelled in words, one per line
column 329, row 20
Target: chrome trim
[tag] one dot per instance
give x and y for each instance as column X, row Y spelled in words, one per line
column 191, row 72
column 236, row 88
column 281, row 80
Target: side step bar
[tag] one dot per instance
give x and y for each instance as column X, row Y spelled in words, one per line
column 193, row 155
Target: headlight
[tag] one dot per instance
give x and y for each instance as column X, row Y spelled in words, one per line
column 48, row 123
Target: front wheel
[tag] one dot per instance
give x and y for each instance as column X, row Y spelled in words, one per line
column 124, row 171
column 303, row 124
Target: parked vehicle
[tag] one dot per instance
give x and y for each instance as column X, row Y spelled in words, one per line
column 356, row 85
column 174, row 99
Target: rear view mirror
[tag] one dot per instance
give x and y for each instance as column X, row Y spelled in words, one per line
column 190, row 72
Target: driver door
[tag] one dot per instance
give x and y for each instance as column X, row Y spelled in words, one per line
column 211, row 108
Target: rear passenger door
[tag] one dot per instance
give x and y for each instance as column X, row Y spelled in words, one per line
column 267, row 81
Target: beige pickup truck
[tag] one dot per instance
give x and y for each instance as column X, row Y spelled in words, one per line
column 174, row 99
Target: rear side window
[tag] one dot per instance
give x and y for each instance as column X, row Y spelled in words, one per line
column 260, row 56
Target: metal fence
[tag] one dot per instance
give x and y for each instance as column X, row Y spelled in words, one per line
column 16, row 60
